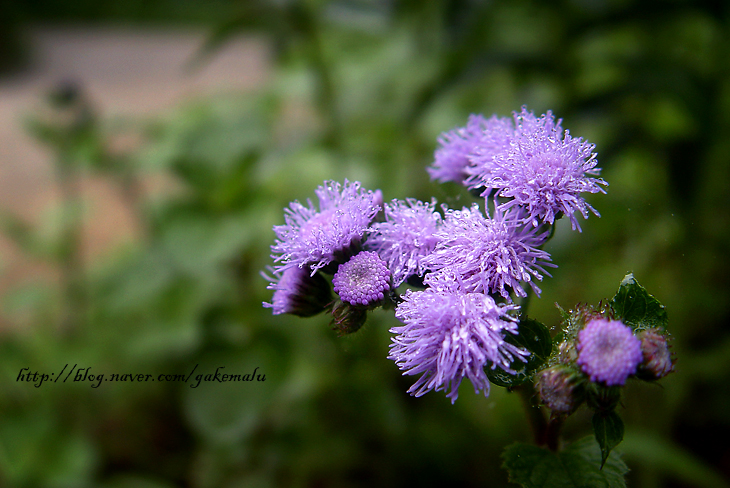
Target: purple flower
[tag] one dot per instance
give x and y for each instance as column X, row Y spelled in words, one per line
column 363, row 280
column 317, row 238
column 406, row 237
column 488, row 255
column 452, row 158
column 449, row 335
column 496, row 139
column 608, row 352
column 544, row 169
column 298, row 293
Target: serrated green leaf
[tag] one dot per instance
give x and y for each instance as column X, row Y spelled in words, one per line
column 533, row 336
column 609, row 431
column 578, row 466
column 637, row 308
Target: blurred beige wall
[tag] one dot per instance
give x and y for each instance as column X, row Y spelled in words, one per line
column 128, row 72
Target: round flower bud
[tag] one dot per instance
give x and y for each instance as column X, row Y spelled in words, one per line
column 347, row 319
column 558, row 388
column 608, row 352
column 657, row 361
column 362, row 281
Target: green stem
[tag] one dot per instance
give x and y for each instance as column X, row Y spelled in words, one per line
column 72, row 267
column 535, row 415
column 553, row 433
column 545, row 433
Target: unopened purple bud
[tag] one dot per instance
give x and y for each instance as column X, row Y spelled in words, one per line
column 559, row 390
column 347, row 319
column 362, row 281
column 608, row 352
column 298, row 293
column 657, row 361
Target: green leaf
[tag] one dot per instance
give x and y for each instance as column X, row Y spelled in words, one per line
column 609, row 431
column 578, row 466
column 225, row 410
column 636, row 308
column 533, row 336
column 671, row 460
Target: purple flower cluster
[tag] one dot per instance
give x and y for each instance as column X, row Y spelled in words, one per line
column 488, row 255
column 453, row 329
column 448, row 335
column 532, row 162
column 298, row 293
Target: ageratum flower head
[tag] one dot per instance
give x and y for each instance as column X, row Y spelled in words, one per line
column 452, row 157
column 488, row 255
column 608, row 352
column 364, row 280
column 496, row 139
column 298, row 293
column 449, row 335
column 316, row 238
column 406, row 237
column 544, row 170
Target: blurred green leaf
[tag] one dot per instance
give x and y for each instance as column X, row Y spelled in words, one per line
column 228, row 412
column 673, row 461
column 35, row 450
column 132, row 481
column 579, row 466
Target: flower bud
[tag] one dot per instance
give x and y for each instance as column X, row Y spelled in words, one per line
column 363, row 281
column 560, row 389
column 298, row 293
column 347, row 319
column 657, row 361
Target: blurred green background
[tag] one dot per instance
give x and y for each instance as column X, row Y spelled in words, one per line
column 360, row 89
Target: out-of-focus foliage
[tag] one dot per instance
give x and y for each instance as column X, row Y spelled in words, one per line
column 360, row 90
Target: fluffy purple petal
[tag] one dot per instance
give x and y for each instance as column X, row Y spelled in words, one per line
column 316, row 238
column 406, row 237
column 488, row 255
column 449, row 335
